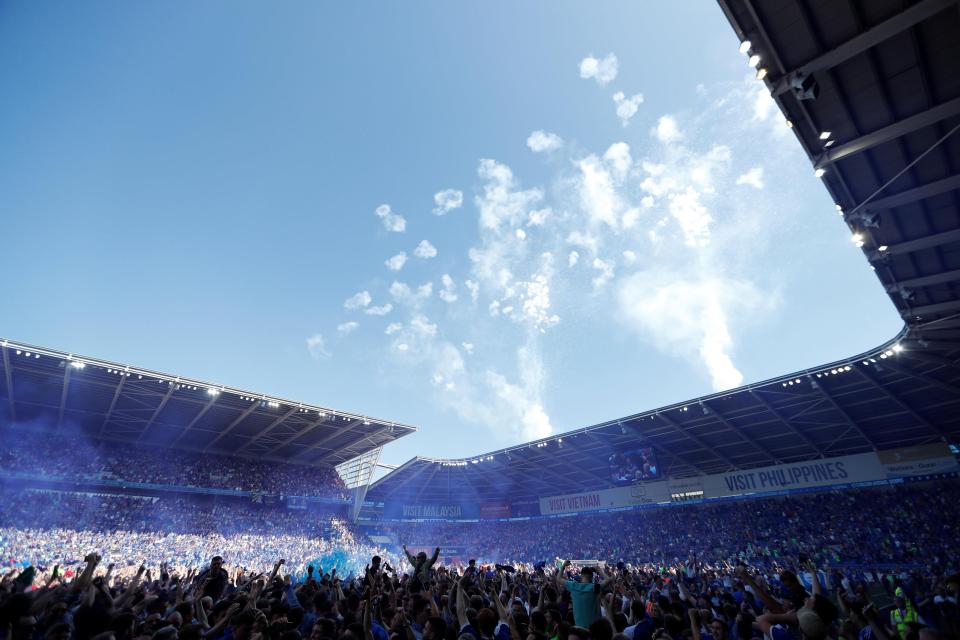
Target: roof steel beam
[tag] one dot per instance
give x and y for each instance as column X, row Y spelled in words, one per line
column 869, row 38
column 741, row 433
column 813, row 445
column 846, row 416
column 313, row 425
column 163, row 403
column 897, row 401
column 933, row 382
column 212, row 401
column 113, row 404
column 912, row 195
column 423, row 487
column 931, row 358
column 710, row 449
column 230, row 427
column 327, row 438
column 926, row 242
column 926, row 281
column 410, row 476
column 8, row 375
column 63, row 393
column 926, row 309
column 890, row 132
column 267, row 429
column 542, row 469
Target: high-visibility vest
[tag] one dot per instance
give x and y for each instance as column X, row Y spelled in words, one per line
column 899, row 619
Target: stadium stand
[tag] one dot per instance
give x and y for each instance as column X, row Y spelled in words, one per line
column 818, row 504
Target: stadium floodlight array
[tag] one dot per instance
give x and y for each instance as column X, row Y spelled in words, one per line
column 81, row 363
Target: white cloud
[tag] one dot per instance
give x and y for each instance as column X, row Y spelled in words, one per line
column 627, row 107
column 598, row 194
column 667, row 130
column 691, row 318
column 347, row 328
column 474, row 289
column 540, row 141
column 606, row 273
column 425, row 250
column 671, row 207
column 396, row 262
column 358, row 300
column 317, row 347
column 391, row 221
column 704, row 167
column 448, row 293
column 532, row 298
column 603, row 71
column 525, row 413
column 421, row 325
column 585, row 240
column 382, row 310
column 392, row 328
column 619, row 159
column 447, row 200
column 753, row 178
column 501, row 202
column 694, row 219
column 538, row 217
column 764, row 105
column 401, row 292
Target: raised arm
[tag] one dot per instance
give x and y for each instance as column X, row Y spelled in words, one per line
column 812, row 568
column 771, row 603
column 559, row 578
column 505, row 617
column 694, row 622
column 433, row 558
column 461, row 606
column 128, row 593
column 607, row 579
column 367, row 618
column 276, row 570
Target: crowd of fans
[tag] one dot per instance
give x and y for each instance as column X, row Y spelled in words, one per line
column 46, row 528
column 89, row 460
column 778, row 593
column 904, row 525
column 873, row 564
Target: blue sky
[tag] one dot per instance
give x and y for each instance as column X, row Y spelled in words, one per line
column 596, row 217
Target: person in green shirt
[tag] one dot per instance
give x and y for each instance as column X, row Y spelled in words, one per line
column 585, row 593
column 422, row 565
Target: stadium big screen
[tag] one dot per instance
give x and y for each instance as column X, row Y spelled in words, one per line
column 633, row 465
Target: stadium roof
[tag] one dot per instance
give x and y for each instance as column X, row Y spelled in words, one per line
column 43, row 390
column 872, row 92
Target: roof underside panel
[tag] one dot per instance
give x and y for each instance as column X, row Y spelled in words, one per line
column 108, row 401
